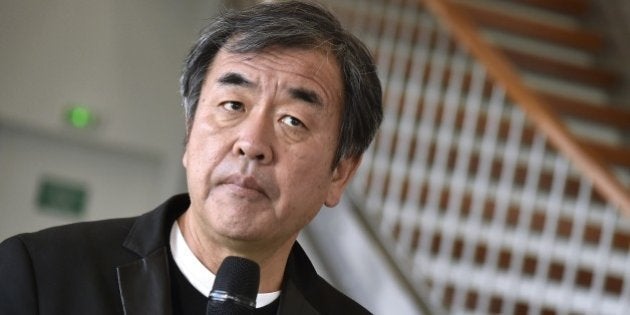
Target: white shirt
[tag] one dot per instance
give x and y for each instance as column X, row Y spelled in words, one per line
column 197, row 274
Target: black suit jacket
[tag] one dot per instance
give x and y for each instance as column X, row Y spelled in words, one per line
column 121, row 266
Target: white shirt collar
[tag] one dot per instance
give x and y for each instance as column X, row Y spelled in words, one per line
column 197, row 274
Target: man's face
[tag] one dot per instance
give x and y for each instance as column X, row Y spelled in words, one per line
column 259, row 154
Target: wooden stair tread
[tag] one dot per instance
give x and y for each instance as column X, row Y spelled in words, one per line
column 617, row 155
column 583, row 74
column 595, row 77
column 576, row 38
column 608, row 115
column 569, row 7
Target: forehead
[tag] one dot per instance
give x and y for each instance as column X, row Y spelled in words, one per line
column 285, row 69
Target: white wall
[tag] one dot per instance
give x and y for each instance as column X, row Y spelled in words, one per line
column 354, row 265
column 117, row 183
column 122, row 59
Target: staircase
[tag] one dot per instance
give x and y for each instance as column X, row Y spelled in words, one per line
column 558, row 59
column 500, row 180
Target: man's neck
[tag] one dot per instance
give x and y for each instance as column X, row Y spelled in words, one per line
column 272, row 261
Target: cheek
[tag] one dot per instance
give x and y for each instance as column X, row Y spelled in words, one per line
column 309, row 177
column 202, row 154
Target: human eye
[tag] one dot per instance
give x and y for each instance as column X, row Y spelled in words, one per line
column 233, row 106
column 292, row 121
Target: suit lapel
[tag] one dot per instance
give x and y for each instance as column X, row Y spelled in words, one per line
column 299, row 279
column 293, row 302
column 145, row 286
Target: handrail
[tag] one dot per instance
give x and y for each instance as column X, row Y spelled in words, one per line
column 501, row 70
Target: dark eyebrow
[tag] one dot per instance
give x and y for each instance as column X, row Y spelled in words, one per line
column 232, row 78
column 305, row 95
column 302, row 94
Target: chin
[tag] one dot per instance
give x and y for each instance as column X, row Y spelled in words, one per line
column 240, row 233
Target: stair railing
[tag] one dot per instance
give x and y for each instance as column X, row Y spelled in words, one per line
column 471, row 203
column 499, row 68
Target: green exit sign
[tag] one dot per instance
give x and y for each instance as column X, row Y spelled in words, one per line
column 62, row 196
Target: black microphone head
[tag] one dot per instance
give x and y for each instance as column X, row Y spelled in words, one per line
column 235, row 287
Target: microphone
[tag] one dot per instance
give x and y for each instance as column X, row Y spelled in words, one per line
column 235, row 287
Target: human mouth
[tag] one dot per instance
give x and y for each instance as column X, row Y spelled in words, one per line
column 244, row 186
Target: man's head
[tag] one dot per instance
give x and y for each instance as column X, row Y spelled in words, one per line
column 302, row 25
column 280, row 103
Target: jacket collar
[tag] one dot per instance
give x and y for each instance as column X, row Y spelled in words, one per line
column 299, row 276
column 145, row 286
column 150, row 231
column 292, row 301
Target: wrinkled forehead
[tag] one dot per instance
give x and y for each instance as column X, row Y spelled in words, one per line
column 307, row 71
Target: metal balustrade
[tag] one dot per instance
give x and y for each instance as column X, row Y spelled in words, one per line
column 471, row 201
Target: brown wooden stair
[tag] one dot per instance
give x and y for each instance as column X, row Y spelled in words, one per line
column 478, row 221
column 612, row 148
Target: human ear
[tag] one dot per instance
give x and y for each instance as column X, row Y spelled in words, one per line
column 343, row 172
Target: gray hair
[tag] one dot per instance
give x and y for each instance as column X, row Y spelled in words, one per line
column 294, row 24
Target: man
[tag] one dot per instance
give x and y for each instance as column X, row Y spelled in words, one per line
column 280, row 104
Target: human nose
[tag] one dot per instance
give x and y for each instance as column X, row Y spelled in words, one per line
column 254, row 141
